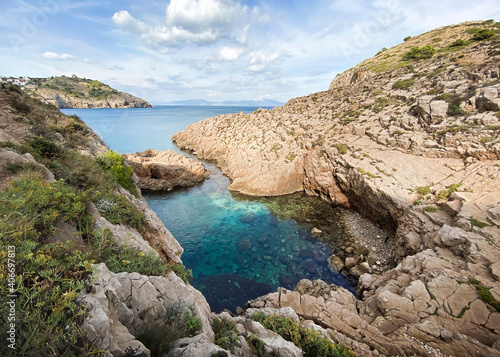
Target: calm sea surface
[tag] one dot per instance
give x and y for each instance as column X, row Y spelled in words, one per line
column 238, row 247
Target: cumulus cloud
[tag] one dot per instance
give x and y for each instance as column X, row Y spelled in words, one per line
column 226, row 54
column 53, row 55
column 261, row 61
column 187, row 21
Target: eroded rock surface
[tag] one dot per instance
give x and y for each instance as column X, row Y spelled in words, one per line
column 412, row 146
column 164, row 170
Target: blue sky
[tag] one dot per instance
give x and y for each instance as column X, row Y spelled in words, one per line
column 213, row 49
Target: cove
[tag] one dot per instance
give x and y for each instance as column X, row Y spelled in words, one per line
column 238, row 247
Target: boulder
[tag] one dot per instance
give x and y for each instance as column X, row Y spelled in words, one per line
column 164, row 170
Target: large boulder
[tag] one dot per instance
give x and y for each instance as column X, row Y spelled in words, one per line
column 164, row 170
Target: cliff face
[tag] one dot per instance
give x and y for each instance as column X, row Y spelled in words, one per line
column 409, row 138
column 73, row 92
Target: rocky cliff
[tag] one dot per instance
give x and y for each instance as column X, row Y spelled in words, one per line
column 74, row 92
column 410, row 138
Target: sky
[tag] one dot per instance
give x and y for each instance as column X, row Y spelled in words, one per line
column 215, row 50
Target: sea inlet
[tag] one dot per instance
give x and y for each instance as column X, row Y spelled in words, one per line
column 238, row 247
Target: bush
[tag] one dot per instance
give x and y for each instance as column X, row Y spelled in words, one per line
column 483, row 34
column 419, row 53
column 459, row 43
column 43, row 147
column 448, row 192
column 423, row 190
column 226, row 335
column 118, row 210
column 30, row 209
column 342, row 148
column 404, row 84
column 113, row 162
column 179, row 322
column 311, row 342
column 455, row 110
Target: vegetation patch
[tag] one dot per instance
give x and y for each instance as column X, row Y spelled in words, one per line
column 419, row 53
column 404, row 84
column 179, row 322
column 290, row 157
column 477, row 223
column 342, row 148
column 226, row 335
column 430, row 209
column 485, row 294
column 113, row 162
column 481, row 34
column 311, row 342
column 445, row 194
column 423, row 190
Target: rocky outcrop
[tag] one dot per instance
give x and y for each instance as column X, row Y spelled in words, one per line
column 64, row 101
column 164, row 170
column 73, row 92
column 122, row 306
column 413, row 146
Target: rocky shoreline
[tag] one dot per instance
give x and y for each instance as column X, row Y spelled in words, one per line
column 414, row 147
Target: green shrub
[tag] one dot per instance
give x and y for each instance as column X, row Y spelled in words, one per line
column 43, row 147
column 30, row 209
column 419, row 53
column 226, row 335
column 404, row 84
column 407, row 38
column 483, row 34
column 430, row 209
column 423, row 190
column 342, row 148
column 455, row 110
column 178, row 323
column 118, row 210
column 113, row 162
column 311, row 342
column 459, row 43
column 258, row 347
column 448, row 192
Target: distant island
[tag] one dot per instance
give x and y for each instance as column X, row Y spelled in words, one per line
column 73, row 92
column 228, row 103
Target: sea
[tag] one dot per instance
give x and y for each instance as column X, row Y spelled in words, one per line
column 238, row 247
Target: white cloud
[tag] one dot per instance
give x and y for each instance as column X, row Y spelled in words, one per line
column 261, row 61
column 127, row 22
column 53, row 55
column 189, row 21
column 228, row 54
column 199, row 15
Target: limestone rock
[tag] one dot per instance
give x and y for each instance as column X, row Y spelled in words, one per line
column 122, row 305
column 335, row 263
column 164, row 170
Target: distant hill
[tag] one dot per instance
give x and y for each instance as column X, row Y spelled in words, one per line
column 74, row 92
column 250, row 103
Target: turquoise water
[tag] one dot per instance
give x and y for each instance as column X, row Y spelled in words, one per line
column 238, row 247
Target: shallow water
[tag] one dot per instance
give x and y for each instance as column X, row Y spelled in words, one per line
column 238, row 247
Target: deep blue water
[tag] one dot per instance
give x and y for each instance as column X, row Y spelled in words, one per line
column 238, row 247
